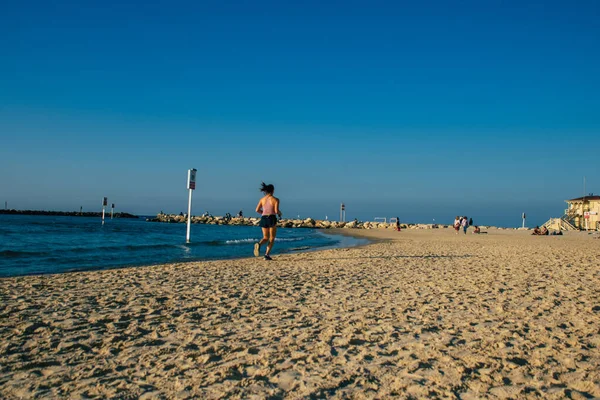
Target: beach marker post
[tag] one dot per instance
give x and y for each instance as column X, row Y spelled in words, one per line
column 523, row 216
column 191, row 185
column 342, row 212
column 104, row 203
column 112, row 210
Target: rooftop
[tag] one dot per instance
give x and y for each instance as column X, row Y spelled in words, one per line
column 591, row 196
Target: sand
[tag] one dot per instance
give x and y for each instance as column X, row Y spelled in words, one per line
column 419, row 314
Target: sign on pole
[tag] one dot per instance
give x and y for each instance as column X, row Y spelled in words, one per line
column 191, row 185
column 586, row 215
column 104, row 204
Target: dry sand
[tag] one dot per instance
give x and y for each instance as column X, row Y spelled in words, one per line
column 425, row 314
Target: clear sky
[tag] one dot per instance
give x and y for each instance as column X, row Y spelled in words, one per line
column 418, row 109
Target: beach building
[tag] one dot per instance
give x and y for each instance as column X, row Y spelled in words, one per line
column 582, row 213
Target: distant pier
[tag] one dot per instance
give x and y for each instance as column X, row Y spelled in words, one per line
column 63, row 213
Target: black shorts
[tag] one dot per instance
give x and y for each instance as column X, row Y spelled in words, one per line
column 268, row 221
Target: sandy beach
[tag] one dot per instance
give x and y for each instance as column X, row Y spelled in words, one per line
column 417, row 314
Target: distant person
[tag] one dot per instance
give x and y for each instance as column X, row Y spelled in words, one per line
column 268, row 207
column 470, row 221
column 536, row 230
column 465, row 224
column 478, row 231
column 398, row 224
column 241, row 214
column 544, row 231
column 557, row 233
column 456, row 224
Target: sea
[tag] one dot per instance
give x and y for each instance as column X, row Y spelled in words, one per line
column 56, row 244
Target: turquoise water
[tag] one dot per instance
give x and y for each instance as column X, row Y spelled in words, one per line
column 46, row 244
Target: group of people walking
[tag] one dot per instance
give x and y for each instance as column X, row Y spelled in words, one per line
column 462, row 223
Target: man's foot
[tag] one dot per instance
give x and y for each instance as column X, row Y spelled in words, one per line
column 256, row 249
column 268, row 257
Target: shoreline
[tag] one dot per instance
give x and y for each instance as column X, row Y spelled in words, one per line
column 340, row 245
column 421, row 313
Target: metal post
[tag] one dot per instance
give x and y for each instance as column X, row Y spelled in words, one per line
column 104, row 203
column 189, row 218
column 523, row 216
column 191, row 185
column 112, row 210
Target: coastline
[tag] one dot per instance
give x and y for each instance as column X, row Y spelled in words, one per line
column 414, row 313
column 341, row 241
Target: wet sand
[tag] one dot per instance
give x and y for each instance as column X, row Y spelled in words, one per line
column 418, row 314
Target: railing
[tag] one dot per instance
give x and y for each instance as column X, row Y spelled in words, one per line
column 381, row 219
column 561, row 223
column 568, row 224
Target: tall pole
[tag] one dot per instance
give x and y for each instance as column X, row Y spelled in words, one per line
column 582, row 205
column 523, row 216
column 191, row 185
column 189, row 218
column 112, row 210
column 104, row 203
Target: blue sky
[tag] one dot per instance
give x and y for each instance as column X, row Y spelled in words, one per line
column 419, row 110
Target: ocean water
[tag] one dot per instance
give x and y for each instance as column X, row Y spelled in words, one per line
column 47, row 244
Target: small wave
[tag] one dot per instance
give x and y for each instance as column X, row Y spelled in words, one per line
column 14, row 254
column 252, row 240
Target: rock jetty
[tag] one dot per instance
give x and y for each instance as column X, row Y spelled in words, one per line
column 290, row 223
column 65, row 213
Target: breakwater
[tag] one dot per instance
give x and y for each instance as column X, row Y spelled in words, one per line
column 65, row 213
column 290, row 223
